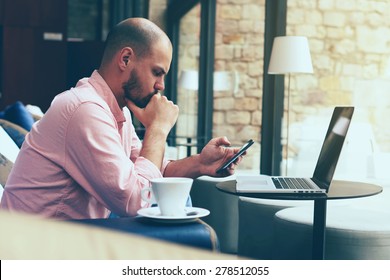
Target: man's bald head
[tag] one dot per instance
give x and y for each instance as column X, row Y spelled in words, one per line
column 137, row 33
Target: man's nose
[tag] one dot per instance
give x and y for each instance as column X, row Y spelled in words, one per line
column 159, row 85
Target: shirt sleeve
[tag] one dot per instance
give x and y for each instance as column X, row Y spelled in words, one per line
column 136, row 146
column 95, row 156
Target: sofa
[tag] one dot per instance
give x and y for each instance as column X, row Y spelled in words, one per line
column 27, row 237
column 15, row 122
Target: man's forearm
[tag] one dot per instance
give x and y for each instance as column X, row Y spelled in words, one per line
column 153, row 146
column 188, row 167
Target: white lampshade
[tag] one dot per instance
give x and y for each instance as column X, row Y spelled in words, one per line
column 223, row 80
column 290, row 54
column 188, row 79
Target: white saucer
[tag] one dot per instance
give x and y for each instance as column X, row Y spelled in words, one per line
column 154, row 213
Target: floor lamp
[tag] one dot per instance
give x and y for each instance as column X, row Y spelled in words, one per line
column 290, row 54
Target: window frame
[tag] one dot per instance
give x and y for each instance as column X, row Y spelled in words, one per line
column 273, row 92
column 175, row 12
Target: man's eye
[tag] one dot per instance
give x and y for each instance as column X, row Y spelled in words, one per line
column 158, row 73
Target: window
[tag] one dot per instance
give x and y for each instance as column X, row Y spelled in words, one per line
column 188, row 82
column 350, row 55
column 199, row 56
column 87, row 20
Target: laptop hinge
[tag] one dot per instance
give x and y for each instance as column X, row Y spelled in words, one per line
column 322, row 185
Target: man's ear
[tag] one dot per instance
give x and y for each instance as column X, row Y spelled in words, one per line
column 125, row 57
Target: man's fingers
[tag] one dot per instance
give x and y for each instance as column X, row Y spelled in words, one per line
column 222, row 141
column 132, row 107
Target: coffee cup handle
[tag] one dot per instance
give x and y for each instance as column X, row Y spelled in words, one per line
column 145, row 195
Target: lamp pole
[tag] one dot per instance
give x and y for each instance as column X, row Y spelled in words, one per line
column 288, row 122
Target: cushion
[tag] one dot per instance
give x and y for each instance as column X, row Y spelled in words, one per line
column 352, row 233
column 16, row 132
column 18, row 114
column 7, row 146
column 5, row 169
column 35, row 111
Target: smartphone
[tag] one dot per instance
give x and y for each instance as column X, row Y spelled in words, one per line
column 239, row 153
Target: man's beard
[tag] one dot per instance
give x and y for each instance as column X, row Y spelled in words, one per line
column 132, row 90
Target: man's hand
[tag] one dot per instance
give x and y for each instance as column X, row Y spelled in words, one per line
column 160, row 113
column 158, row 117
column 214, row 154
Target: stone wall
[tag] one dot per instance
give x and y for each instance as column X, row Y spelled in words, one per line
column 349, row 42
column 157, row 12
column 239, row 45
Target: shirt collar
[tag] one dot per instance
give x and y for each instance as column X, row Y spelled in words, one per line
column 104, row 91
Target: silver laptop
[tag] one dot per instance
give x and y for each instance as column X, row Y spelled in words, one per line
column 324, row 170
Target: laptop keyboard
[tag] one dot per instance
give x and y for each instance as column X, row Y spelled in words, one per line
column 291, row 183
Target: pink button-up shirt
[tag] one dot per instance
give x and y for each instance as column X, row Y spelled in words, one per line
column 81, row 159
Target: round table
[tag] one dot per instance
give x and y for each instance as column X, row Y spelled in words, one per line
column 338, row 190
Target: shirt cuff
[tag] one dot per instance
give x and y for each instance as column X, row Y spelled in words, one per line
column 147, row 169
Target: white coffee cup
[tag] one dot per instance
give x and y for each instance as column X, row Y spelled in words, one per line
column 170, row 194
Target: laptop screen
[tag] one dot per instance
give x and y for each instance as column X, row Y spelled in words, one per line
column 331, row 148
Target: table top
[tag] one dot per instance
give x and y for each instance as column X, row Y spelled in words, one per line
column 338, row 190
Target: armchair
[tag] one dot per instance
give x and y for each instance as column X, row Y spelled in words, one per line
column 223, row 210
